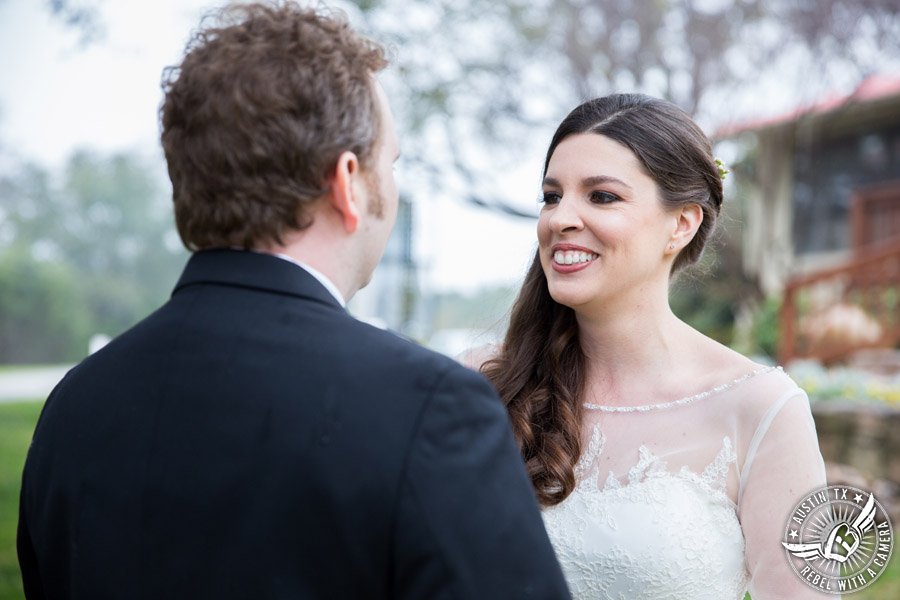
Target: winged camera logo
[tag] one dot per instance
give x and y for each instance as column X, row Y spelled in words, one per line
column 838, row 539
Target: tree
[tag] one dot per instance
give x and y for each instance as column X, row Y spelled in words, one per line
column 482, row 81
column 43, row 313
column 80, row 15
column 97, row 250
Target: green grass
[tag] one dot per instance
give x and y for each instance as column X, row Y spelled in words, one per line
column 887, row 587
column 15, row 368
column 17, row 422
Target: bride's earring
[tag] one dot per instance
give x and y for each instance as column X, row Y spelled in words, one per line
column 671, row 246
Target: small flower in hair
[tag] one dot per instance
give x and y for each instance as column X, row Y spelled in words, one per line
column 722, row 170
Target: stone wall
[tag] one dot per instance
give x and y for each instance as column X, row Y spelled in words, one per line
column 861, row 447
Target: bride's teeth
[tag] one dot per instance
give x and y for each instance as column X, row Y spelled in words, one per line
column 572, row 258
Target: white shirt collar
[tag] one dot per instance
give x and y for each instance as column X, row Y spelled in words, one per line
column 329, row 285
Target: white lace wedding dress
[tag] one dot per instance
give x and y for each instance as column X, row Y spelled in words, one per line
column 689, row 499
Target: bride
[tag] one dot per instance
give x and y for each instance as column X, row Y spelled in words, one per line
column 666, row 463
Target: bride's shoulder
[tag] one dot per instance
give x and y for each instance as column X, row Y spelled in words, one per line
column 751, row 384
column 474, row 358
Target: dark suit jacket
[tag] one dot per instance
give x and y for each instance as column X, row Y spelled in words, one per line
column 250, row 439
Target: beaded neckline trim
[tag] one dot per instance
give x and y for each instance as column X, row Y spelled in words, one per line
column 683, row 401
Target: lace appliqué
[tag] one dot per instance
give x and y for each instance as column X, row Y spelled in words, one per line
column 683, row 401
column 589, row 455
column 660, row 535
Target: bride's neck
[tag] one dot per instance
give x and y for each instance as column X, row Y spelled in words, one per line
column 636, row 348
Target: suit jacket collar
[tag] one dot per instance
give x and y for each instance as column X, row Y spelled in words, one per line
column 253, row 270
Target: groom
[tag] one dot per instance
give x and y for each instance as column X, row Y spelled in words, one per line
column 250, row 439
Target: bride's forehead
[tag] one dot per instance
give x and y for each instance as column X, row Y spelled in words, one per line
column 587, row 155
column 588, row 148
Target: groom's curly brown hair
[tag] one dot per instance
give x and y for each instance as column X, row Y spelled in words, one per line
column 257, row 114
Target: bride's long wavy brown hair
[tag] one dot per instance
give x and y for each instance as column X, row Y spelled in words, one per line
column 539, row 371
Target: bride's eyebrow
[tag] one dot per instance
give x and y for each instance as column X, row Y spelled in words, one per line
column 588, row 181
column 601, row 180
column 550, row 182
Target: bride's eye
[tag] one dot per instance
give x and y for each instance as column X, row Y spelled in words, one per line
column 603, row 198
column 550, row 198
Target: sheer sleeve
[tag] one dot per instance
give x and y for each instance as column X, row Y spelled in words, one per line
column 782, row 464
column 475, row 357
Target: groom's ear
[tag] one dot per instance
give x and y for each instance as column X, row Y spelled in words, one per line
column 342, row 193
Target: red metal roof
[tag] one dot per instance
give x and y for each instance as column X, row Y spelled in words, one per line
column 871, row 88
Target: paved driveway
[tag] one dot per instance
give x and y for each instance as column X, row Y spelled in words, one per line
column 30, row 383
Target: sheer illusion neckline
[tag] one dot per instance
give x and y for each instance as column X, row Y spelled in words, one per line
column 682, row 401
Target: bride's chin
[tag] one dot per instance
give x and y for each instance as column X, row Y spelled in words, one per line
column 567, row 298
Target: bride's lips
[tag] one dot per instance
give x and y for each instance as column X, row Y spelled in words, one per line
column 568, row 258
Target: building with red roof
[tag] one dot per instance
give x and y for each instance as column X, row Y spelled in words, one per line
column 821, row 191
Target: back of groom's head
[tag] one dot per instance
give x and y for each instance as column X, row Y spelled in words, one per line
column 257, row 115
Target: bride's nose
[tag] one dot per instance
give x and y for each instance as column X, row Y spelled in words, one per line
column 565, row 217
